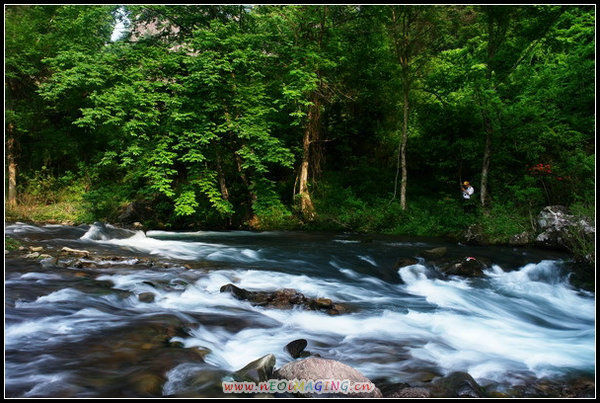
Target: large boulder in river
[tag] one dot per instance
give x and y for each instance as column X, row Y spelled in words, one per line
column 457, row 384
column 314, row 368
column 559, row 228
column 465, row 267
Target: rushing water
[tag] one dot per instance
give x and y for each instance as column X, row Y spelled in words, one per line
column 83, row 332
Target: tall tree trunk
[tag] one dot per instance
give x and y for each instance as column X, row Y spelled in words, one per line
column 402, row 38
column 487, row 152
column 221, row 176
column 252, row 219
column 310, row 133
column 12, row 167
column 223, row 184
column 403, row 150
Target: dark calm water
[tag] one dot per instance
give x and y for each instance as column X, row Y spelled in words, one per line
column 83, row 332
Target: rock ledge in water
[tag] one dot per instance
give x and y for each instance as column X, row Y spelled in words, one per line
column 286, row 298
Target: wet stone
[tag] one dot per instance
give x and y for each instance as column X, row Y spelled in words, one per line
column 296, row 347
column 324, row 303
column 259, row 370
column 147, row 297
column 466, row 267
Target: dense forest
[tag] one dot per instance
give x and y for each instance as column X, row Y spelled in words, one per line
column 360, row 118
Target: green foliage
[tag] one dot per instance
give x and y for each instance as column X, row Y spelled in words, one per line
column 11, row 244
column 502, row 221
column 200, row 111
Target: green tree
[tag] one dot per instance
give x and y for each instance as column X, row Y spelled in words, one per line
column 34, row 33
column 412, row 32
column 173, row 110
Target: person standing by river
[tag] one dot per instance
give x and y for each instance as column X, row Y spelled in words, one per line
column 467, row 192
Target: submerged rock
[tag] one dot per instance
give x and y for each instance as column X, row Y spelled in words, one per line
column 320, row 368
column 434, row 253
column 579, row 387
column 457, row 384
column 76, row 252
column 405, row 261
column 147, row 297
column 257, row 371
column 411, row 392
column 391, row 389
column 147, row 384
column 465, row 267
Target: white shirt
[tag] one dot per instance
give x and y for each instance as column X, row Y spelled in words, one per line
column 468, row 192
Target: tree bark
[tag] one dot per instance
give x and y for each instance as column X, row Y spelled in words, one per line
column 314, row 114
column 402, row 46
column 485, row 166
column 221, row 176
column 403, row 151
column 12, row 167
column 252, row 219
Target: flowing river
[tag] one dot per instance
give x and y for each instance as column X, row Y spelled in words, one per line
column 83, row 331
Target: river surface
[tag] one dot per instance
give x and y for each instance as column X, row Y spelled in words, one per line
column 83, row 332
